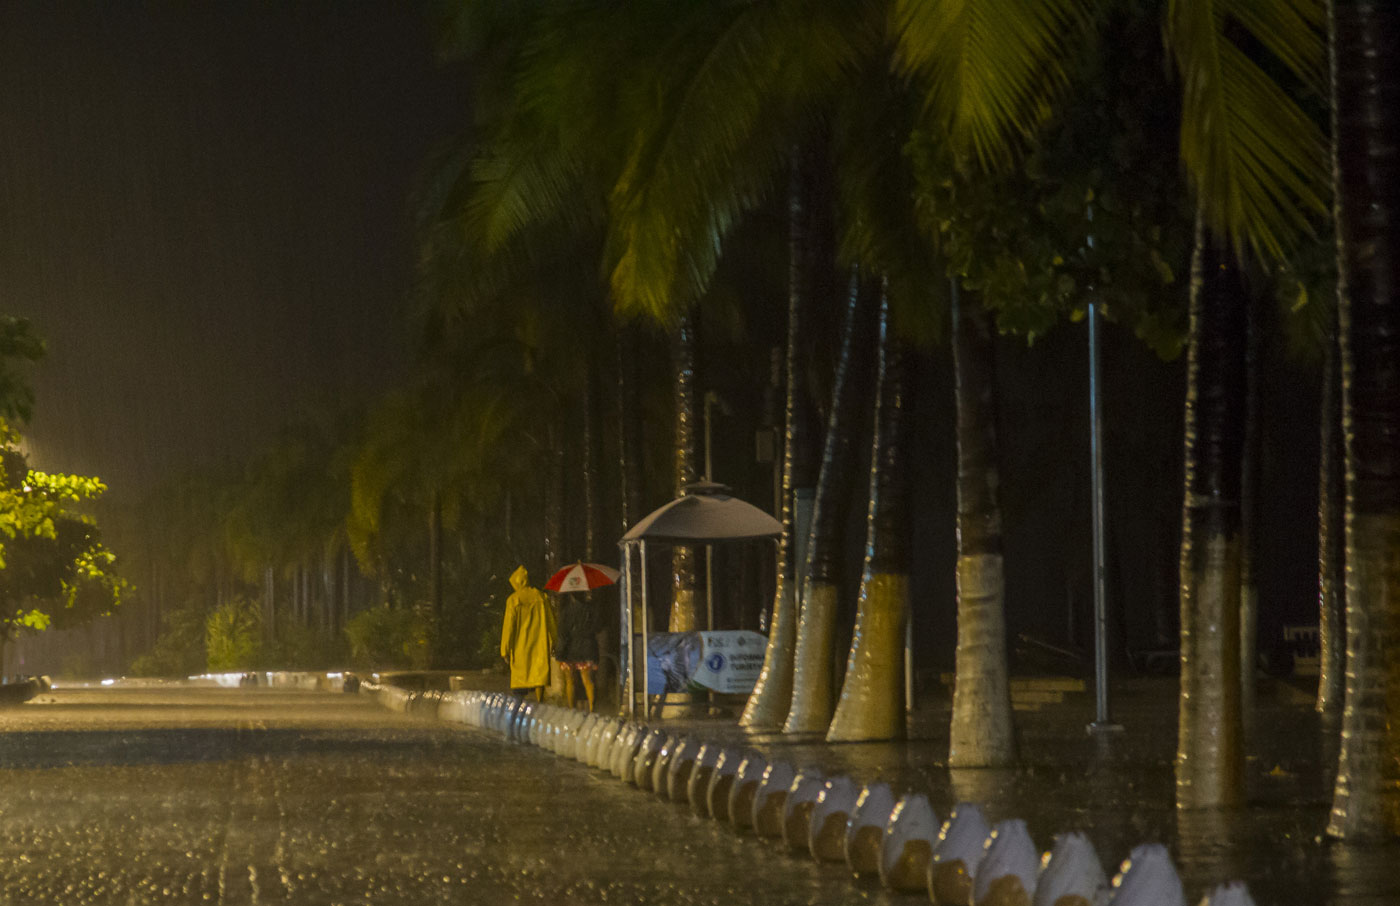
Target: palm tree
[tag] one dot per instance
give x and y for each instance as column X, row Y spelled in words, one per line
column 981, row 732
column 1210, row 759
column 1366, row 101
column 872, row 701
column 768, row 704
column 811, row 706
column 1331, row 537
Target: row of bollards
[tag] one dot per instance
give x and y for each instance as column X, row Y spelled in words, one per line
column 961, row 861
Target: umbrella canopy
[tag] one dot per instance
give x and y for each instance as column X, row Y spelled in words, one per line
column 581, row 577
column 706, row 512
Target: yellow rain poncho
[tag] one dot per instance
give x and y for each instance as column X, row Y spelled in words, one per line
column 527, row 637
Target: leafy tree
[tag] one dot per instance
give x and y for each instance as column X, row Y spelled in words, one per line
column 54, row 569
column 233, row 636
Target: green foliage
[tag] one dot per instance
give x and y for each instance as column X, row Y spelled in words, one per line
column 54, row 569
column 1096, row 211
column 19, row 346
column 390, row 637
column 233, row 636
column 179, row 651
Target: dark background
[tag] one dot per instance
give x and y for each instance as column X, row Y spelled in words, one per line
column 204, row 208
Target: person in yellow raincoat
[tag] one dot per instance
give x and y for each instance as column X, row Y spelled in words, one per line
column 527, row 638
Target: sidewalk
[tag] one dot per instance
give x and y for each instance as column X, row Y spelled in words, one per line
column 1119, row 788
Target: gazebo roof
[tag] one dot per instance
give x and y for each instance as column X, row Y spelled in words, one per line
column 705, row 512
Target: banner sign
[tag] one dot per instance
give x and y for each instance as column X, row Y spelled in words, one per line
column 721, row 661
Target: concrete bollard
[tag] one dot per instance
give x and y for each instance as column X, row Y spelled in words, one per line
column 681, row 763
column 591, row 727
column 661, row 769
column 1231, row 894
column 907, row 849
column 865, row 829
column 721, row 782
column 1148, row 878
column 624, row 749
column 961, row 845
column 747, row 777
column 697, row 787
column 1009, row 867
column 770, row 798
column 826, row 838
column 627, row 768
column 602, row 743
column 645, row 758
column 797, row 810
column 1070, row 874
column 569, row 735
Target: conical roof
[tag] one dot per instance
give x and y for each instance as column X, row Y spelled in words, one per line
column 705, row 512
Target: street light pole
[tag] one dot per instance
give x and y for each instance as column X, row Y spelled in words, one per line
column 1101, row 717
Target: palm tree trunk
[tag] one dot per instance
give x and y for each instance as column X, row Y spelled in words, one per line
column 684, row 605
column 768, row 705
column 1366, row 97
column 554, row 502
column 1210, row 757
column 1331, row 538
column 811, row 707
column 435, row 572
column 1249, row 513
column 872, row 696
column 981, row 732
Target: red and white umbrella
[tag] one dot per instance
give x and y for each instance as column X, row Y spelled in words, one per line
column 581, row 577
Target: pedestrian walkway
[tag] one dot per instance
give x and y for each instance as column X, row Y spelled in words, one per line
column 1118, row 788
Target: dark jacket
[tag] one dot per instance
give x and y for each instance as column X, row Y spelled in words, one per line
column 578, row 631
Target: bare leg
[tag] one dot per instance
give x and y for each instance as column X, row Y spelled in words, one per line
column 586, row 674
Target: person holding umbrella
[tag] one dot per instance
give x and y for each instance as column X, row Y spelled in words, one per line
column 577, row 646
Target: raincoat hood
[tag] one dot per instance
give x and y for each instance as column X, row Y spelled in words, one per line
column 519, row 579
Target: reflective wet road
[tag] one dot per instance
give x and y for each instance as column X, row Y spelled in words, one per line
column 187, row 796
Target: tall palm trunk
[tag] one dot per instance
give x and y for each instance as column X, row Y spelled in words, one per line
column 981, row 733
column 872, row 696
column 1210, row 758
column 1249, row 522
column 684, row 606
column 1331, row 538
column 553, row 501
column 1366, row 96
column 811, row 707
column 435, row 573
column 768, row 705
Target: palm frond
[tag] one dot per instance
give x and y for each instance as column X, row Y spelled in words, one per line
column 989, row 69
column 734, row 94
column 1257, row 160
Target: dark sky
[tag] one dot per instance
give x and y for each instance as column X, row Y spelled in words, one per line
column 204, row 209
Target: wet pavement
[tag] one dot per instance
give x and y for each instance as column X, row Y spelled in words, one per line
column 190, row 795
column 185, row 796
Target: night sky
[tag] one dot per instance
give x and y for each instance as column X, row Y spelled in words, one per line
column 204, row 208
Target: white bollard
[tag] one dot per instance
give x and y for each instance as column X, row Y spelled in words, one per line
column 747, row 777
column 770, row 799
column 865, row 829
column 1008, row 871
column 1070, row 873
column 721, row 782
column 907, row 849
column 797, row 810
column 960, row 847
column 698, row 786
column 1148, row 878
column 826, row 836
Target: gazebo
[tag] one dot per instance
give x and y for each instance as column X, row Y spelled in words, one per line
column 705, row 513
